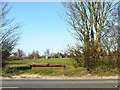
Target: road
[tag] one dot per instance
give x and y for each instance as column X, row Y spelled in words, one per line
column 59, row 83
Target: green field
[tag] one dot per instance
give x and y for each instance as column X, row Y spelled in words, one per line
column 70, row 70
column 67, row 62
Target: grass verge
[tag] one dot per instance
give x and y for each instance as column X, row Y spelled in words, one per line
column 69, row 71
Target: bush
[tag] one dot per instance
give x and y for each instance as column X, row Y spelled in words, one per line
column 103, row 68
column 106, row 71
column 75, row 71
column 14, row 71
column 11, row 71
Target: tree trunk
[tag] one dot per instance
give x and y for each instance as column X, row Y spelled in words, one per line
column 98, row 47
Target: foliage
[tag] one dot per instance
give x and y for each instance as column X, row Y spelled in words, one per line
column 106, row 71
column 29, row 71
column 58, row 55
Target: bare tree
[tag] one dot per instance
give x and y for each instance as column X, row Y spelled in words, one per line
column 76, row 52
column 87, row 21
column 34, row 55
column 47, row 53
column 8, row 32
column 19, row 54
column 110, row 36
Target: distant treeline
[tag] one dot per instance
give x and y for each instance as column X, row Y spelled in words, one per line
column 20, row 55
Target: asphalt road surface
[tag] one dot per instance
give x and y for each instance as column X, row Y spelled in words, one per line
column 59, row 83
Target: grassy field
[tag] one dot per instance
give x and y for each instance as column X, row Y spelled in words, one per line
column 69, row 71
column 67, row 62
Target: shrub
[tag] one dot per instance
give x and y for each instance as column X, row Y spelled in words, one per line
column 75, row 71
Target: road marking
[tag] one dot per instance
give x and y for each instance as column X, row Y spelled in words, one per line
column 8, row 87
column 115, row 86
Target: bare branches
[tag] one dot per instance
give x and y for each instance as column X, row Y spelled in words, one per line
column 90, row 22
column 8, row 32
